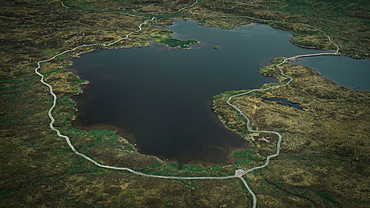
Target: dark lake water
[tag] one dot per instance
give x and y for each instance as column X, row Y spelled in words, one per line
column 347, row 72
column 161, row 98
column 284, row 101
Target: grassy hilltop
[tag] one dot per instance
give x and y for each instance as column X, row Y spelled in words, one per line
column 324, row 161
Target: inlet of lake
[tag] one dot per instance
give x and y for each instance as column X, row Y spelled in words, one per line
column 161, row 98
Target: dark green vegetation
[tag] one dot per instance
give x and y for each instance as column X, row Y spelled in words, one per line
column 324, row 161
column 165, row 37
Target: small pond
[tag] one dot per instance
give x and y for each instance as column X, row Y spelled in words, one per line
column 283, row 101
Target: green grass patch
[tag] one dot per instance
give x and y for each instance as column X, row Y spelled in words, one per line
column 173, row 165
column 266, row 69
column 189, row 168
column 165, row 37
column 203, row 1
column 326, row 197
column 247, row 154
column 278, row 60
column 227, row 94
column 244, row 162
column 278, row 183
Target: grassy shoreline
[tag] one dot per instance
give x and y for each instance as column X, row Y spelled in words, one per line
column 39, row 169
column 315, row 140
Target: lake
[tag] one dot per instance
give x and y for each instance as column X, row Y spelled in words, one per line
column 161, row 98
column 344, row 71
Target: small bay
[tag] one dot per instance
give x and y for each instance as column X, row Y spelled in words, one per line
column 344, row 71
column 161, row 97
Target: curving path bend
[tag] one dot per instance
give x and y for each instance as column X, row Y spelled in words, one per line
column 238, row 174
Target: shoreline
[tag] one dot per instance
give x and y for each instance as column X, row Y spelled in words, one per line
column 357, row 89
column 167, row 46
column 281, row 28
column 39, row 160
column 237, row 174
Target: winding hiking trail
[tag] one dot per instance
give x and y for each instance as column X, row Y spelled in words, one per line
column 239, row 174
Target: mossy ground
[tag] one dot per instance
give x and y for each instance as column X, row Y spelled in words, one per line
column 37, row 167
column 327, row 164
column 324, row 160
